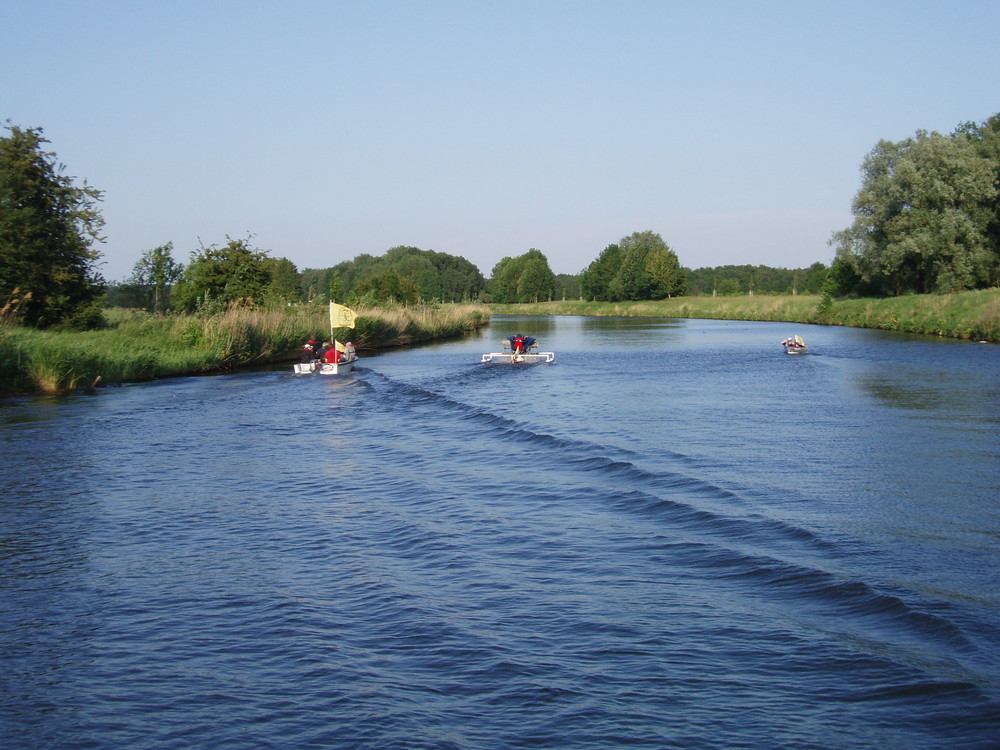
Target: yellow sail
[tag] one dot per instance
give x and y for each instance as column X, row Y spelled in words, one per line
column 340, row 347
column 341, row 317
column 799, row 340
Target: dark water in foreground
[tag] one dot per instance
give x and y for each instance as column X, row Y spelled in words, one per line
column 695, row 541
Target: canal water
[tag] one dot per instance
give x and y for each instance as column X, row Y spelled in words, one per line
column 674, row 536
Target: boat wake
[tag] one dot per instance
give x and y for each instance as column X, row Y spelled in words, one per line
column 700, row 530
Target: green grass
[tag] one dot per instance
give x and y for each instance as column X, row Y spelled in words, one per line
column 967, row 315
column 138, row 346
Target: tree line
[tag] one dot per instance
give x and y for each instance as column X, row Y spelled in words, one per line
column 732, row 280
column 926, row 219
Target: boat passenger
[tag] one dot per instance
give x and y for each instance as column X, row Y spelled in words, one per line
column 309, row 351
column 332, row 356
column 351, row 355
column 517, row 344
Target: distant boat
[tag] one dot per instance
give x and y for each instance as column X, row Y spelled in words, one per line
column 795, row 345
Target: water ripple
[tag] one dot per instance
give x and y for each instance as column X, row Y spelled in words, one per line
column 452, row 556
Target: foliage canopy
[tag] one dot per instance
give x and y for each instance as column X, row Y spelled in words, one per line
column 639, row 267
column 234, row 274
column 48, row 228
column 926, row 217
column 526, row 278
column 404, row 274
column 746, row 279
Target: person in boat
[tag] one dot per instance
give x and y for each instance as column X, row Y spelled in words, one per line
column 331, row 356
column 351, row 355
column 309, row 351
column 520, row 344
column 321, row 351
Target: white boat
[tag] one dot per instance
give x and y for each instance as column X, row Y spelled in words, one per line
column 795, row 345
column 342, row 367
column 519, row 349
column 340, row 317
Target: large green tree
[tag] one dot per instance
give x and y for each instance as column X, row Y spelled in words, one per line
column 235, row 273
column 48, row 229
column 924, row 215
column 526, row 278
column 640, row 266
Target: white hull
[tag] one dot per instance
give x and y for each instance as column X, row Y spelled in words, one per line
column 508, row 358
column 794, row 345
column 325, row 368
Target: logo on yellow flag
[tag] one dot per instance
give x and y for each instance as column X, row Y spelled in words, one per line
column 341, row 317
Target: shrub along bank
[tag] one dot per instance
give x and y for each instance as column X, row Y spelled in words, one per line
column 138, row 346
column 966, row 315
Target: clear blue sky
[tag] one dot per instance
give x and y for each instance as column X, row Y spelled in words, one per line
column 484, row 129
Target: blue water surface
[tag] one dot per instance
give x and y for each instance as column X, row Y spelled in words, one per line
column 674, row 536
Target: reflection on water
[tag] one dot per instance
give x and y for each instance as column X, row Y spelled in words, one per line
column 954, row 394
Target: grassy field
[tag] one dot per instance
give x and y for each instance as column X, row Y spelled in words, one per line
column 139, row 346
column 968, row 315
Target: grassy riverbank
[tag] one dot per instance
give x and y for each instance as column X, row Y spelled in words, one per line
column 968, row 315
column 138, row 346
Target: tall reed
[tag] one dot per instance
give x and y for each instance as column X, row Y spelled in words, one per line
column 138, row 346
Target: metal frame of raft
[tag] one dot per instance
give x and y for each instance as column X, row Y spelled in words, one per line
column 507, row 357
column 518, row 349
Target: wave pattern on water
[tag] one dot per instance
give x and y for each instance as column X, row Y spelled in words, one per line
column 438, row 559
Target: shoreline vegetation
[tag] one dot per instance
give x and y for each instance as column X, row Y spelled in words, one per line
column 139, row 346
column 971, row 315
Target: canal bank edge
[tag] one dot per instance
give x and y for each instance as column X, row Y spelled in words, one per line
column 973, row 316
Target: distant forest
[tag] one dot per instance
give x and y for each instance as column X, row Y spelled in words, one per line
column 392, row 277
column 408, row 275
column 728, row 281
column 642, row 267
